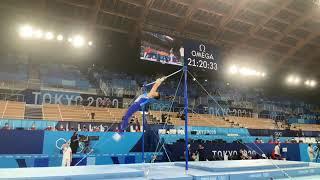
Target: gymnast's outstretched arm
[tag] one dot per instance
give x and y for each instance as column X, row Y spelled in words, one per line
column 153, row 92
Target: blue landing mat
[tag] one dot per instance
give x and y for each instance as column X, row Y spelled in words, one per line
column 240, row 165
column 218, row 170
column 70, row 173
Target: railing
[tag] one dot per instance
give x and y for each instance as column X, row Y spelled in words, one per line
column 60, row 112
column 22, row 85
column 43, row 115
column 11, row 97
column 4, row 110
column 27, row 123
column 13, row 84
column 87, row 113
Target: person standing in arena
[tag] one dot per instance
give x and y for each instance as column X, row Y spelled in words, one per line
column 311, row 153
column 141, row 101
column 6, row 126
column 171, row 55
column 67, row 154
column 277, row 153
column 189, row 153
column 201, row 153
column 74, row 142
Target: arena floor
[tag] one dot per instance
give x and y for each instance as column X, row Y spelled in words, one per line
column 231, row 170
column 305, row 178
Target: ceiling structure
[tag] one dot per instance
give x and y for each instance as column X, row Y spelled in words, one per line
column 282, row 34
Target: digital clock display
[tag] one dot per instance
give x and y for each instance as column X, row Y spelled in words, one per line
column 200, row 55
column 202, row 64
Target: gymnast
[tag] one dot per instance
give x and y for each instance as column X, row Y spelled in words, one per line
column 141, row 101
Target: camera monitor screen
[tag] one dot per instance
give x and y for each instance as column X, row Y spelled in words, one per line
column 160, row 48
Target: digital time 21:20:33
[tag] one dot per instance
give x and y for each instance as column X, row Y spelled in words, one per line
column 202, row 64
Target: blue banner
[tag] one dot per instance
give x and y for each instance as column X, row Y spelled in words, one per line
column 27, row 123
column 271, row 132
column 289, row 151
column 21, row 142
column 303, row 121
column 34, row 160
column 217, row 130
column 50, row 142
column 211, row 151
column 216, row 151
column 304, row 155
column 53, row 141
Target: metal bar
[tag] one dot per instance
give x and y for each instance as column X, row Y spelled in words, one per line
column 143, row 126
column 185, row 70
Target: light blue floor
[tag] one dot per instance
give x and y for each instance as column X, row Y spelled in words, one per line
column 219, row 170
column 304, row 178
column 79, row 172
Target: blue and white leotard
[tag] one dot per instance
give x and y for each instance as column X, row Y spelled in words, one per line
column 142, row 100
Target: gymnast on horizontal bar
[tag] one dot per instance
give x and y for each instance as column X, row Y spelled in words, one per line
column 143, row 100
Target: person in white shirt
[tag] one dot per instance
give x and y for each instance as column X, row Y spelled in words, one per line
column 181, row 51
column 67, row 154
column 311, row 153
column 171, row 55
column 277, row 153
column 181, row 55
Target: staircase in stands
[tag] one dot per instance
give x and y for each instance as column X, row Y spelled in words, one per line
column 33, row 111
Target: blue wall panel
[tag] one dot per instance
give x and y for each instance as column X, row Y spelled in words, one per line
column 27, row 123
column 304, row 152
column 103, row 160
column 8, row 163
column 292, row 154
column 105, row 144
column 34, row 160
column 57, row 161
column 218, row 130
column 21, row 142
column 25, row 148
column 41, row 162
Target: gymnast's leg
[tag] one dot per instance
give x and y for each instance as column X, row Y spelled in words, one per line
column 125, row 120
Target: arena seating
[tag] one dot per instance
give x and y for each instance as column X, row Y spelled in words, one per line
column 13, row 68
column 13, row 109
column 306, row 127
column 82, row 113
column 73, row 113
column 2, row 107
column 63, row 76
column 51, row 112
column 194, row 119
column 105, row 114
column 217, row 121
column 55, row 112
column 253, row 123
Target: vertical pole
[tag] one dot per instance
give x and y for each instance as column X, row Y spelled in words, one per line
column 185, row 70
column 143, row 125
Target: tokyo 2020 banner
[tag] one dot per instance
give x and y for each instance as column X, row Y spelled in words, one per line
column 66, row 98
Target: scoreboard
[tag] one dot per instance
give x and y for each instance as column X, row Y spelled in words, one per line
column 165, row 49
column 200, row 55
